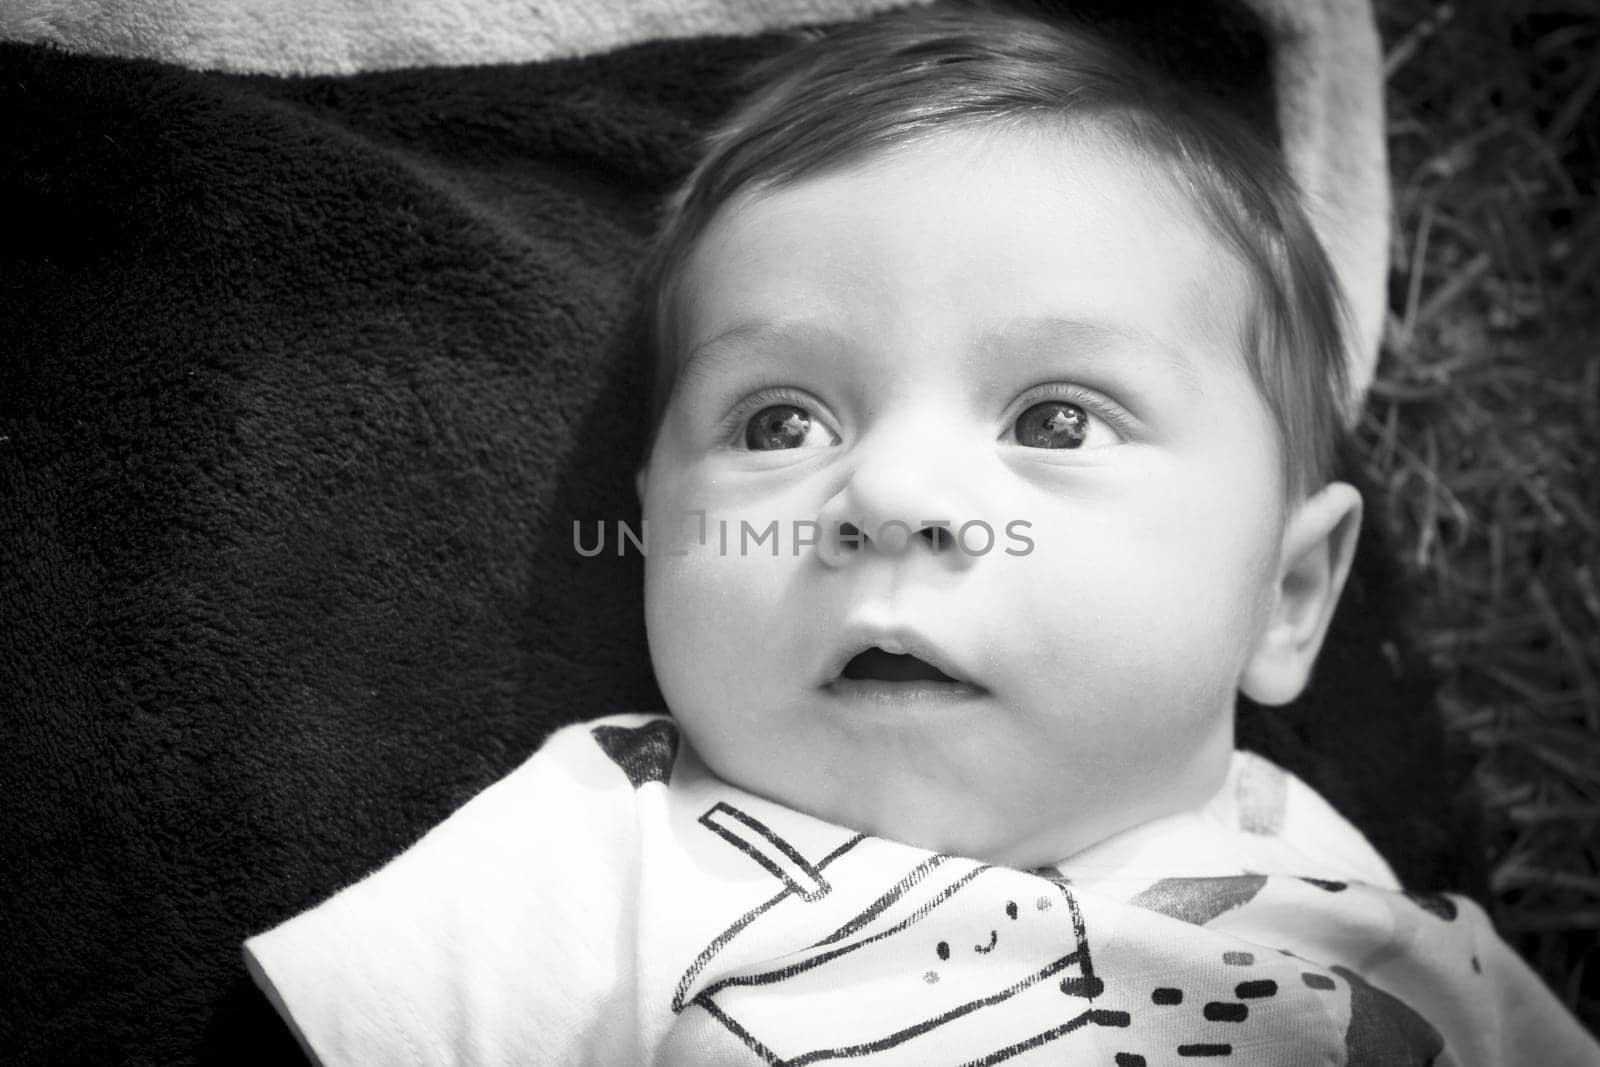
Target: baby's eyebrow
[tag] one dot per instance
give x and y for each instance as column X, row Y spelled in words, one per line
column 1041, row 339
column 707, row 357
column 1090, row 338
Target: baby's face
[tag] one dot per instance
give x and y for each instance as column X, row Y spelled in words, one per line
column 1025, row 330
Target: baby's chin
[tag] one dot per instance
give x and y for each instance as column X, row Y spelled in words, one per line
column 955, row 825
column 1022, row 828
column 1024, row 818
column 1000, row 844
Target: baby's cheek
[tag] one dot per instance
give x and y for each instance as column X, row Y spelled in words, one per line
column 679, row 602
column 718, row 638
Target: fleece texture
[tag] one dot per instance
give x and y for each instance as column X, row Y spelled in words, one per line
column 1325, row 63
column 304, row 382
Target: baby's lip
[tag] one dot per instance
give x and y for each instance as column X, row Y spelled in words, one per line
column 899, row 641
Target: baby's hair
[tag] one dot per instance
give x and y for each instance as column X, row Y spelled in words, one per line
column 873, row 85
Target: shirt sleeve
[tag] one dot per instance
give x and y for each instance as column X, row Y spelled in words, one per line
column 502, row 936
column 1513, row 1015
column 1441, row 957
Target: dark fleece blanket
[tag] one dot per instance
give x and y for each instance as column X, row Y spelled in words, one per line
column 303, row 384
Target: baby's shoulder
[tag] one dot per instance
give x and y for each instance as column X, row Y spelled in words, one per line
column 640, row 746
column 1280, row 824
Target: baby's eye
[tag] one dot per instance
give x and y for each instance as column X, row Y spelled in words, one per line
column 1053, row 424
column 781, row 426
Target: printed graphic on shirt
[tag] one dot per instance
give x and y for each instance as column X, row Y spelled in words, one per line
column 1384, row 1029
column 963, row 961
column 952, row 961
column 645, row 753
column 1436, row 904
column 1197, row 901
column 1262, row 794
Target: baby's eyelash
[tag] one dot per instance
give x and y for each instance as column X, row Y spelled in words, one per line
column 1094, row 403
column 732, row 427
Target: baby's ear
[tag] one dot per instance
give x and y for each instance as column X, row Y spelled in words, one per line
column 1319, row 541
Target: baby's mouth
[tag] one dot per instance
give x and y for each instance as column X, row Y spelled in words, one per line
column 895, row 667
column 876, row 665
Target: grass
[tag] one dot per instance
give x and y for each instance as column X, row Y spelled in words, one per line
column 1484, row 427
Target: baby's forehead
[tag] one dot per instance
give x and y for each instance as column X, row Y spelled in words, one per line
column 1015, row 238
column 955, row 170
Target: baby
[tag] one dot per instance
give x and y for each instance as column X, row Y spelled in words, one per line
column 998, row 388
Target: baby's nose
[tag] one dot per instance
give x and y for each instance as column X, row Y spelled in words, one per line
column 901, row 499
column 895, row 536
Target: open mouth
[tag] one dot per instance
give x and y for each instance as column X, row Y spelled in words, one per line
column 891, row 667
column 875, row 676
column 876, row 665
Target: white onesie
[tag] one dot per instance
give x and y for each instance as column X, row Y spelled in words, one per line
column 611, row 902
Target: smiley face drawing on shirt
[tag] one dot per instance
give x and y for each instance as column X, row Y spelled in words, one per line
column 964, row 962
